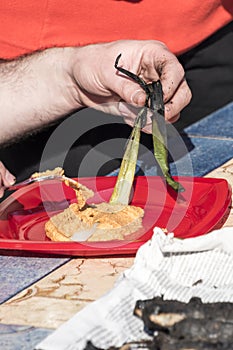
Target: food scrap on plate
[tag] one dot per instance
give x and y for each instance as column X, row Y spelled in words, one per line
column 92, row 222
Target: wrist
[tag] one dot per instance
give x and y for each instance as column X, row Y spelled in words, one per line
column 87, row 69
column 60, row 71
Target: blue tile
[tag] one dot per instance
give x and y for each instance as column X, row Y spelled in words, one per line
column 21, row 337
column 202, row 147
column 206, row 155
column 19, row 272
column 218, row 124
column 193, row 156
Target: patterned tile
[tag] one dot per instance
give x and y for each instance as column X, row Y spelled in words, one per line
column 207, row 154
column 19, row 272
column 217, row 124
column 21, row 337
column 202, row 147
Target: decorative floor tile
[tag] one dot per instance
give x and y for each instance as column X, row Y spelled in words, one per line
column 58, row 296
column 21, row 337
column 190, row 156
column 207, row 154
column 217, row 124
column 18, row 272
column 202, row 147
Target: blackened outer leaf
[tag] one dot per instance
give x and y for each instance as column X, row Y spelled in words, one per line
column 159, row 134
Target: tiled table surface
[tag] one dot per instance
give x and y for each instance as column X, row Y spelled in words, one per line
column 38, row 293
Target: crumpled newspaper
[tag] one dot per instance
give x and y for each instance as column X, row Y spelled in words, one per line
column 218, row 239
column 177, row 269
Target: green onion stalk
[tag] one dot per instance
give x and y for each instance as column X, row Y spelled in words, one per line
column 159, row 133
column 122, row 190
column 154, row 101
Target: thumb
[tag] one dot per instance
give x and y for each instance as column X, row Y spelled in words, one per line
column 130, row 92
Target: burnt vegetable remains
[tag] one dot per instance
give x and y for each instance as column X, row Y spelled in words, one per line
column 174, row 325
column 190, row 323
column 154, row 103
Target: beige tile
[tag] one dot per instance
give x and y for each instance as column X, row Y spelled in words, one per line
column 64, row 292
column 225, row 172
column 39, row 311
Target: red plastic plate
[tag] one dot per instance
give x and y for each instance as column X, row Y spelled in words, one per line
column 191, row 213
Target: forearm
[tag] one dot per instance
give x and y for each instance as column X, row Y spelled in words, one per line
column 39, row 89
column 35, row 90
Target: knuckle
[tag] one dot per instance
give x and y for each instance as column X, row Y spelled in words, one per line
column 186, row 92
column 188, row 95
column 180, row 70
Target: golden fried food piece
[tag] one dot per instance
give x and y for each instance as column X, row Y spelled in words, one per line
column 57, row 171
column 82, row 192
column 107, row 222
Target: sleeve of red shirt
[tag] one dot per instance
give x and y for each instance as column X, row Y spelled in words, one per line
column 30, row 25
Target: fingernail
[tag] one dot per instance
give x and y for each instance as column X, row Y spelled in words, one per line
column 10, row 178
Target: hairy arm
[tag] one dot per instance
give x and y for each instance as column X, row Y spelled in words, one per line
column 35, row 90
column 38, row 89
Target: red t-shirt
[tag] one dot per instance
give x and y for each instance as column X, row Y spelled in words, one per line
column 29, row 25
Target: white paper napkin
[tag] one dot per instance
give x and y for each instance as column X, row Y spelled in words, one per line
column 177, row 269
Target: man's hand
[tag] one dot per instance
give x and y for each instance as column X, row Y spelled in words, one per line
column 38, row 89
column 6, row 179
column 98, row 81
